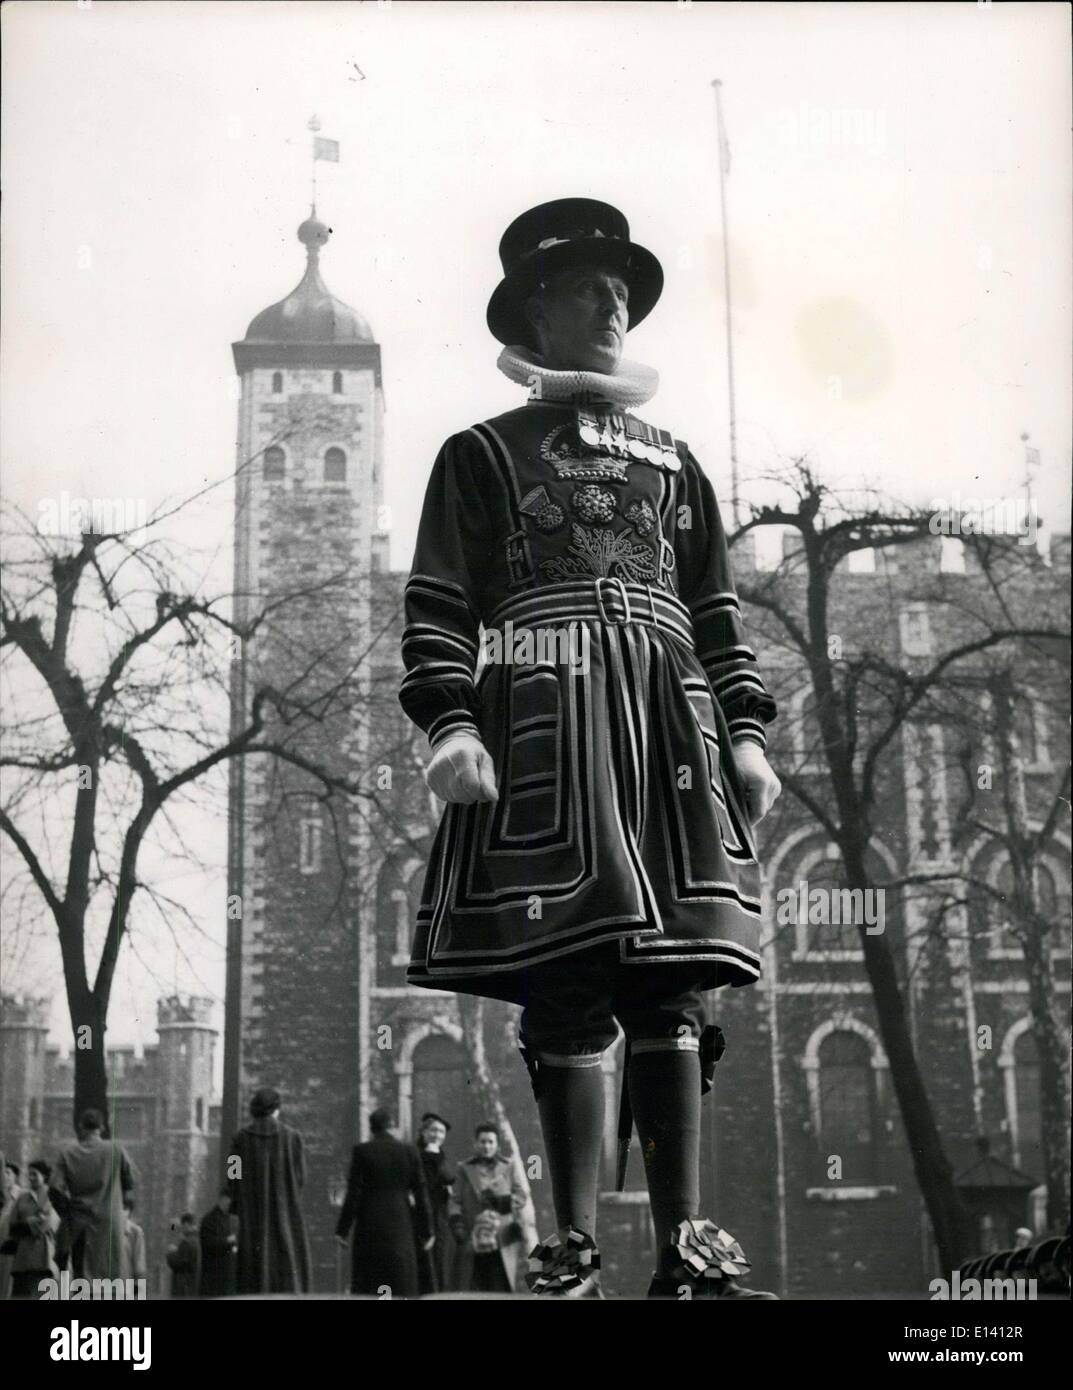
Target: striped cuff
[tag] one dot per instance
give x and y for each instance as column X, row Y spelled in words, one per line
column 455, row 721
column 745, row 729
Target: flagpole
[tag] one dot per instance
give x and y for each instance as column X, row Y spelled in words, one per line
column 724, row 151
column 313, row 125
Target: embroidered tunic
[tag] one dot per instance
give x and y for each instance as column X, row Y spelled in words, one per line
column 619, row 676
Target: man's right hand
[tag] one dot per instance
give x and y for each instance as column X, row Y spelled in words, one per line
column 462, row 770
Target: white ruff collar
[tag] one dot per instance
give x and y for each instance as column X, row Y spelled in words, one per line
column 633, row 383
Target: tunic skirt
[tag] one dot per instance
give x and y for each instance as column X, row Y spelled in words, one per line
column 612, row 681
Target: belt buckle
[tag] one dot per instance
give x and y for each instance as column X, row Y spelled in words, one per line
column 604, row 617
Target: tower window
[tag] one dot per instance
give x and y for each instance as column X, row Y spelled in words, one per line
column 334, row 466
column 337, row 383
column 274, row 464
column 277, row 383
column 199, row 1116
column 309, row 837
column 848, row 1119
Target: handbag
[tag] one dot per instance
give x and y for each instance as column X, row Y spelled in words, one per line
column 485, row 1234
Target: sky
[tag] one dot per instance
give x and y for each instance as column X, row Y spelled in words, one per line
column 899, row 241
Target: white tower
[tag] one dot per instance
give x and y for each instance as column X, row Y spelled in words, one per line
column 307, row 536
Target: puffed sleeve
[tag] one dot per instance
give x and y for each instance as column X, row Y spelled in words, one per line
column 439, row 642
column 706, row 587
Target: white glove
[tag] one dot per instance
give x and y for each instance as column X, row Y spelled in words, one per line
column 461, row 770
column 762, row 787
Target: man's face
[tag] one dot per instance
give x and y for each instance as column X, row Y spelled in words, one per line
column 8, row 1179
column 224, row 1201
column 487, row 1144
column 188, row 1228
column 37, row 1179
column 581, row 318
column 434, row 1134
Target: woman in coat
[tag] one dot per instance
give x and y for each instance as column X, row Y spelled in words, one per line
column 33, row 1227
column 434, row 1266
column 491, row 1216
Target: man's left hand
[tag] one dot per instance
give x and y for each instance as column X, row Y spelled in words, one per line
column 762, row 787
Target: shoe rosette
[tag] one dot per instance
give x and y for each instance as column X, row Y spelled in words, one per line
column 564, row 1270
column 705, row 1252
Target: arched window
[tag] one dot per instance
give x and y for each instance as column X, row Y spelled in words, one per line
column 277, row 383
column 1000, row 917
column 275, row 462
column 441, row 1083
column 830, row 918
column 199, row 1117
column 848, row 1119
column 1028, row 1153
column 337, row 383
column 805, row 731
column 33, row 1112
column 334, row 465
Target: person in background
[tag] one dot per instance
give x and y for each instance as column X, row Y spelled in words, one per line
column 268, row 1165
column 90, row 1180
column 490, row 1213
column 219, row 1244
column 9, row 1194
column 137, row 1267
column 183, row 1258
column 434, row 1266
column 34, row 1222
column 385, row 1177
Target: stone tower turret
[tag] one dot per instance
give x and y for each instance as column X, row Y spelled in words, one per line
column 23, row 1030
column 185, row 1058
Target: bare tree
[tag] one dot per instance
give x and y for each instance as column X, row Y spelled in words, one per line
column 118, row 670
column 864, row 693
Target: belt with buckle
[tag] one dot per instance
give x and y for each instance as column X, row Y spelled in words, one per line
column 607, row 600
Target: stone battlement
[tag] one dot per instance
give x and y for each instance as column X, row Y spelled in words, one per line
column 184, row 1011
column 24, row 1011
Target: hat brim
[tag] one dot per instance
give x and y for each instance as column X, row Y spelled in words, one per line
column 637, row 266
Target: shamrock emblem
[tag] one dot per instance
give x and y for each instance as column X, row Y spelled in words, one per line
column 642, row 517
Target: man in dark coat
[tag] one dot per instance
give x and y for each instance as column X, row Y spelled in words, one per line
column 183, row 1258
column 435, row 1264
column 89, row 1181
column 266, row 1172
column 386, row 1199
column 219, row 1243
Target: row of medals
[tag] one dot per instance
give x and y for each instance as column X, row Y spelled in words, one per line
column 621, row 436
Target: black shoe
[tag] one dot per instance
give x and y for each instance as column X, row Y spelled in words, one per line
column 565, row 1271
column 702, row 1261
